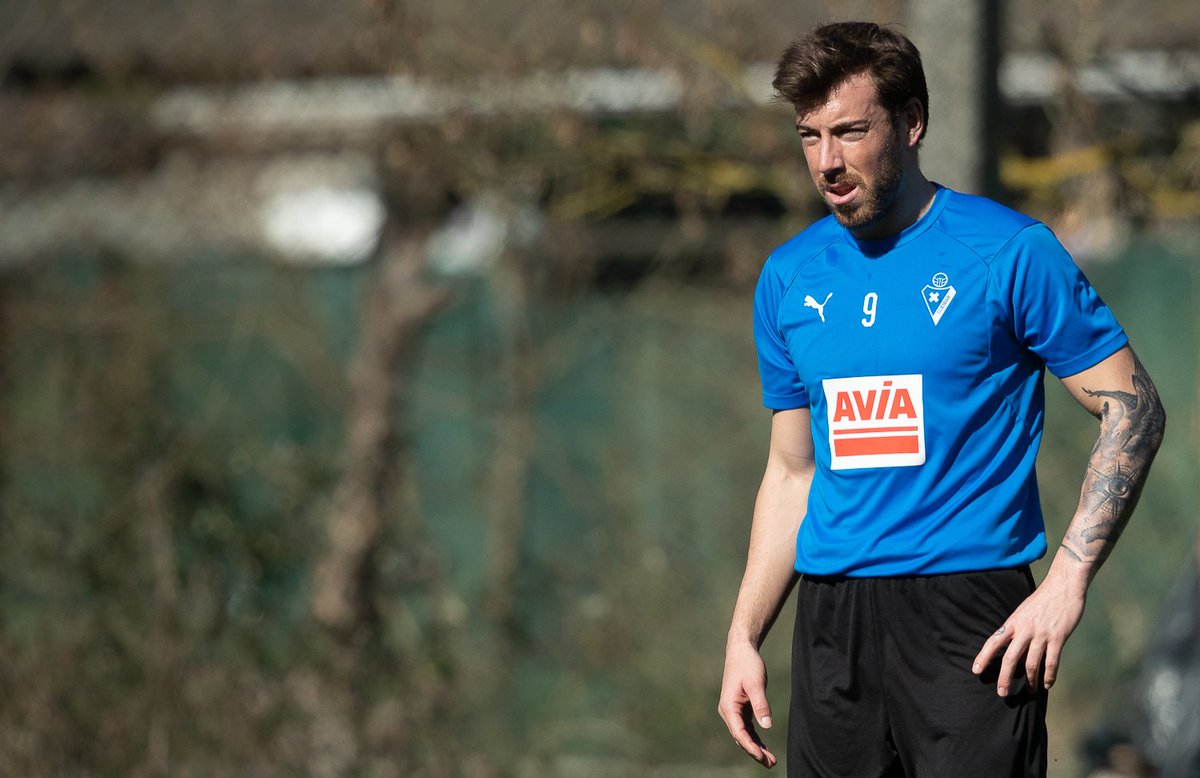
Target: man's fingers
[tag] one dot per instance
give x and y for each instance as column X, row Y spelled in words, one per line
column 760, row 754
column 756, row 752
column 1008, row 666
column 994, row 643
column 1032, row 640
column 1053, row 652
column 744, row 736
column 1033, row 663
column 734, row 722
column 752, row 744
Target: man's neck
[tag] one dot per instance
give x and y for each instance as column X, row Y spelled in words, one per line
column 913, row 200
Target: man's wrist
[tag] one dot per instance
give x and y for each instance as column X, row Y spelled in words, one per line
column 740, row 637
column 1071, row 572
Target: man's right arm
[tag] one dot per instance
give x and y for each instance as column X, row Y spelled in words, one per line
column 770, row 574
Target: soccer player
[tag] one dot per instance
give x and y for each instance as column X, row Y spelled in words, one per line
column 902, row 343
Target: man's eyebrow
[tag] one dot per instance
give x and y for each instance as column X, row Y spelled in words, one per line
column 844, row 124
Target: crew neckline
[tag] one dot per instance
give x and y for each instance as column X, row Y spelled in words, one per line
column 880, row 246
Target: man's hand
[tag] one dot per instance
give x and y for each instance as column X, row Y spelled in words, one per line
column 744, row 700
column 1032, row 637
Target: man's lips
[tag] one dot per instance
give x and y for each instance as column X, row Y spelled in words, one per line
column 841, row 193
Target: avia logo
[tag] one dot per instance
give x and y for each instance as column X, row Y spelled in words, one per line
column 875, row 421
column 810, row 302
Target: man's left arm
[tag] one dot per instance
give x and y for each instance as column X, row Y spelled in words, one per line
column 1119, row 392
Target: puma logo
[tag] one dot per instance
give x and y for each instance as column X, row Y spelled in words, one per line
column 809, row 302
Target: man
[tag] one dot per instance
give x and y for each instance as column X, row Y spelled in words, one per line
column 901, row 345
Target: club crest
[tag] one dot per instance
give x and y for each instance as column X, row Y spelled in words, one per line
column 937, row 295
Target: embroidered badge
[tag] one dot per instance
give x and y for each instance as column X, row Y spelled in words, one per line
column 937, row 296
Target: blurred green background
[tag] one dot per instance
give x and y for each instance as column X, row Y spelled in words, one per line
column 377, row 385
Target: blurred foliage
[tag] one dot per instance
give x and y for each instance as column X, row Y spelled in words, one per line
column 170, row 438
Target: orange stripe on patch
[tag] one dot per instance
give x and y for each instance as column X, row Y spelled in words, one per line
column 873, row 430
column 858, row 447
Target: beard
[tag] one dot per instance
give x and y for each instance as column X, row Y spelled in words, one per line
column 874, row 201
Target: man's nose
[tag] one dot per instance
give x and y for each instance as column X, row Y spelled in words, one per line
column 829, row 157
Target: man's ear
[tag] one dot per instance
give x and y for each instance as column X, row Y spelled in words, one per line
column 912, row 119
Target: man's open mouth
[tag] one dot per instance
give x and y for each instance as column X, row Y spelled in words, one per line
column 841, row 193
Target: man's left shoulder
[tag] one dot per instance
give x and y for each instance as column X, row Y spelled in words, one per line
column 982, row 224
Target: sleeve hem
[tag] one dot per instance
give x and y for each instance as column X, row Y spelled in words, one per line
column 1091, row 358
column 784, row 402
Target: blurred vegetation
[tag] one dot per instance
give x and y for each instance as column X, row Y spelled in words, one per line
column 172, row 438
column 395, row 518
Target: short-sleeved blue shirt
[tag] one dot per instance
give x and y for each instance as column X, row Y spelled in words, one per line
column 921, row 360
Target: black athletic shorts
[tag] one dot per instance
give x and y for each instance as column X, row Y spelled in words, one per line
column 882, row 682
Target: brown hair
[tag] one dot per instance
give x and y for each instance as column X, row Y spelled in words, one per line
column 812, row 66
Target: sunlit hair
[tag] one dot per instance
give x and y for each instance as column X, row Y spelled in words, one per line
column 812, row 66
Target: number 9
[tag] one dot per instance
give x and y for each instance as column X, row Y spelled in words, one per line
column 869, row 304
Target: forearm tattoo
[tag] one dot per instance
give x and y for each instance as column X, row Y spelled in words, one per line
column 1131, row 428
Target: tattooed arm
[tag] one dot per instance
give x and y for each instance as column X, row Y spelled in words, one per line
column 1131, row 428
column 1121, row 395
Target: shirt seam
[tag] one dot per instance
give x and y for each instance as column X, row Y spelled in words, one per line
column 988, row 262
column 800, row 265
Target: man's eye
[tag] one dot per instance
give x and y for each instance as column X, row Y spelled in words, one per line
column 854, row 134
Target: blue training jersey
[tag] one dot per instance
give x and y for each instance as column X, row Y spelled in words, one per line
column 921, row 359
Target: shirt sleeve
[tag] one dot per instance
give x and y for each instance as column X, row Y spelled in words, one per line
column 781, row 385
column 1056, row 312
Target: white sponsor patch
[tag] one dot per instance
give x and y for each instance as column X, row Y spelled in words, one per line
column 875, row 421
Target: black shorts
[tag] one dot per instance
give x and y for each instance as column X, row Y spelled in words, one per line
column 882, row 682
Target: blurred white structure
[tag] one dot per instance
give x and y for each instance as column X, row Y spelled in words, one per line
column 305, row 208
column 301, row 202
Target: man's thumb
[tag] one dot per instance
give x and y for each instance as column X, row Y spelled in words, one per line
column 762, row 711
